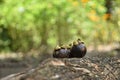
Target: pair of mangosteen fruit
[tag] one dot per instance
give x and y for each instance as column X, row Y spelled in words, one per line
column 75, row 50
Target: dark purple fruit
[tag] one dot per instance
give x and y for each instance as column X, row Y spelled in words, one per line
column 78, row 50
column 56, row 52
column 61, row 52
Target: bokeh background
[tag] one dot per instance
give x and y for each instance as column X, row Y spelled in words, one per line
column 31, row 29
column 40, row 25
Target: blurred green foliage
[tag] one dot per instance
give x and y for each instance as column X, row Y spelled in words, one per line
column 30, row 24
